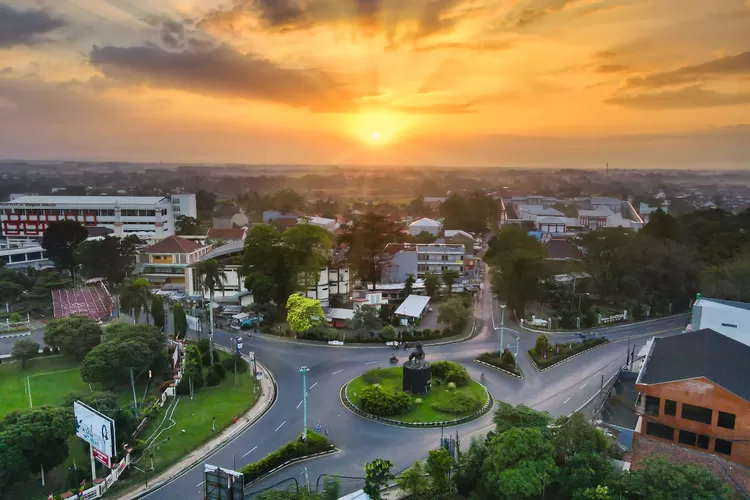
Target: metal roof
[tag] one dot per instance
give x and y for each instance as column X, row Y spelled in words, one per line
column 89, row 200
column 413, row 306
column 728, row 303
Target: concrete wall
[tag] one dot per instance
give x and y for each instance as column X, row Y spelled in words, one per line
column 732, row 322
column 401, row 264
column 703, row 392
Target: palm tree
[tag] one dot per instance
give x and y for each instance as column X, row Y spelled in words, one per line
column 136, row 297
column 210, row 275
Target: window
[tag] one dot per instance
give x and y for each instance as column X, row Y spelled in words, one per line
column 723, row 446
column 660, row 430
column 696, row 413
column 652, row 406
column 702, row 442
column 687, row 437
column 670, row 407
column 729, row 325
column 726, row 420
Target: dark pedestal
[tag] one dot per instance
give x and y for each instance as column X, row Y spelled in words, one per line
column 417, row 377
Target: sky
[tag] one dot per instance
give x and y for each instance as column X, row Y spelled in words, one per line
column 636, row 83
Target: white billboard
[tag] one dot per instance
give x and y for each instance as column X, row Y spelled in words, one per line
column 96, row 429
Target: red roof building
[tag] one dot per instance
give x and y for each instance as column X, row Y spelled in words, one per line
column 92, row 301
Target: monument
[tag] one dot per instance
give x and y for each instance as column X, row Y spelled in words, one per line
column 417, row 372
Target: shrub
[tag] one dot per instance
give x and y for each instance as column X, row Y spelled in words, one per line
column 212, row 378
column 206, row 358
column 315, row 443
column 458, row 404
column 451, row 386
column 242, row 365
column 451, row 372
column 56, row 350
column 426, row 332
column 203, row 345
column 436, row 332
column 220, row 370
column 373, row 399
column 441, row 368
column 418, row 401
column 508, row 358
column 46, row 351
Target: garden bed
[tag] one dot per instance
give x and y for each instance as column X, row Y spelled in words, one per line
column 495, row 359
column 443, row 403
column 557, row 353
column 291, row 451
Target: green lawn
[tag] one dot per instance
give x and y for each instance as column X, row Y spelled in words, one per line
column 51, row 378
column 423, row 412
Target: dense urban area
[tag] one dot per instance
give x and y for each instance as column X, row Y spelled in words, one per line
column 283, row 332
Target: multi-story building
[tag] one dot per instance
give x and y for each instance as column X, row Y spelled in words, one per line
column 24, row 256
column 694, row 392
column 724, row 316
column 584, row 213
column 419, row 259
column 164, row 263
column 150, row 216
column 184, row 204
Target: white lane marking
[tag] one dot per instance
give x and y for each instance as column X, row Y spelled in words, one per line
column 584, row 385
column 199, row 484
column 299, row 404
column 249, row 452
column 370, row 362
column 563, row 403
column 338, row 371
column 313, row 385
column 282, row 425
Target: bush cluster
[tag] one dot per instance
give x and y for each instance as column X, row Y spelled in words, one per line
column 506, row 360
column 558, row 352
column 373, row 399
column 242, row 365
column 315, row 443
column 449, row 371
column 206, row 359
column 458, row 404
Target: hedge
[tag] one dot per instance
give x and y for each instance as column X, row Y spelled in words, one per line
column 373, row 399
column 449, row 371
column 495, row 359
column 457, row 404
column 566, row 350
column 294, row 449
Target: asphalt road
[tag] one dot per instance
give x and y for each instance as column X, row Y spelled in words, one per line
column 560, row 391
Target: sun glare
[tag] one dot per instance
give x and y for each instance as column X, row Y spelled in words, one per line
column 378, row 128
column 375, row 136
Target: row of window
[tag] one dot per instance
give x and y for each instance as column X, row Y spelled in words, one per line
column 423, row 268
column 429, row 257
column 23, row 257
column 689, row 438
column 66, row 211
column 689, row 412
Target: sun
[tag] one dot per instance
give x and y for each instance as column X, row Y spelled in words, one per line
column 375, row 136
column 377, row 129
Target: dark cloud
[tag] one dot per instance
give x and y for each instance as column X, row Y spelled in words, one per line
column 536, row 10
column 686, row 98
column 222, row 71
column 725, row 66
column 6, row 70
column 25, row 27
column 610, row 68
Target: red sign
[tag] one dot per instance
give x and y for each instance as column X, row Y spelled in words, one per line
column 101, row 457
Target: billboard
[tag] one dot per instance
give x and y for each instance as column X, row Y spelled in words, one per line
column 222, row 484
column 104, row 459
column 96, row 429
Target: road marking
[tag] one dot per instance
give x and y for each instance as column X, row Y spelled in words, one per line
column 563, row 403
column 370, row 362
column 199, row 484
column 313, row 385
column 584, row 385
column 299, row 404
column 338, row 371
column 249, row 452
column 282, row 425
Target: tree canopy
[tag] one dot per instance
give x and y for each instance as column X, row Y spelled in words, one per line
column 303, row 313
column 365, row 239
column 60, row 240
column 136, row 297
column 110, row 257
column 75, row 335
column 475, row 212
column 24, row 350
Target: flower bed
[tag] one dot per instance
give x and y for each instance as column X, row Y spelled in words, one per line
column 559, row 352
column 292, row 450
column 496, row 359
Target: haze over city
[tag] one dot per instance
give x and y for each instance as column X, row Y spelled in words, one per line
column 659, row 84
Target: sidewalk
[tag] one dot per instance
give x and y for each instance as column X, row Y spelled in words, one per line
column 264, row 403
column 613, row 326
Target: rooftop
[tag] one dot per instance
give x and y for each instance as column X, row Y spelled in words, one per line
column 728, row 303
column 413, row 306
column 92, row 301
column 89, row 200
column 228, row 249
column 226, row 234
column 560, row 249
column 450, row 233
column 173, row 244
column 424, row 221
column 702, row 353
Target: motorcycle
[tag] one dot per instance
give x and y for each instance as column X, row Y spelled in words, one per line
column 394, row 359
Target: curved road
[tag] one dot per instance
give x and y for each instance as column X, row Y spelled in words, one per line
column 559, row 391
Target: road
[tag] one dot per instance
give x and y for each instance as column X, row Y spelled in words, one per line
column 560, row 390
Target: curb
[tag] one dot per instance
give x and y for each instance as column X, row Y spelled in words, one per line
column 223, row 444
column 602, row 327
column 488, row 404
column 519, row 377
column 292, row 462
column 15, row 334
column 566, row 359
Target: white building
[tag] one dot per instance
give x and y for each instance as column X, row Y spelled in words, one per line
column 727, row 317
column 23, row 257
column 184, row 204
column 148, row 216
column 424, row 225
column 329, row 225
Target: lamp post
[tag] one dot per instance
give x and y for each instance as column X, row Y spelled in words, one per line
column 304, row 371
column 502, row 327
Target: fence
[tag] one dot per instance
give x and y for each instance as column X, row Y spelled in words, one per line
column 98, row 490
column 15, row 326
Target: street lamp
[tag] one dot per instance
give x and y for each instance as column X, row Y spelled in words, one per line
column 304, row 371
column 502, row 327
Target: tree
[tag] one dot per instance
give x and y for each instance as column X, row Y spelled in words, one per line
column 439, row 465
column 450, row 276
column 409, row 285
column 110, row 363
column 413, row 482
column 377, row 475
column 10, row 292
column 470, row 466
column 331, row 488
column 24, row 350
column 210, row 276
column 205, row 202
column 365, row 240
column 287, row 200
column 303, row 313
column 39, row 299
column 136, row 298
column 598, row 493
column 663, row 226
column 510, row 417
column 658, row 479
column 431, row 284
column 453, row 314
column 179, row 321
column 186, row 225
column 157, row 311
column 111, row 258
column 542, row 344
column 60, row 240
column 75, row 335
column 475, row 212
column 365, row 320
column 574, row 435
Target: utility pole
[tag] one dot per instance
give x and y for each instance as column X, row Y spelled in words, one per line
column 502, row 327
column 211, row 330
column 304, row 371
column 135, row 399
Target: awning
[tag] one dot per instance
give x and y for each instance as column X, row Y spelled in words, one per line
column 241, row 316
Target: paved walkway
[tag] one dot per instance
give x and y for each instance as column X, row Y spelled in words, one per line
column 267, row 396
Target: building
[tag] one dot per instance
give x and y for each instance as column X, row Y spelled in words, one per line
column 229, row 235
column 26, row 256
column 93, row 301
column 147, row 216
column 413, row 308
column 424, row 225
column 337, row 317
column 458, row 237
column 724, row 316
column 184, row 205
column 561, row 249
column 419, row 259
column 582, row 213
column 694, row 392
column 333, row 280
column 368, row 298
column 329, row 225
column 164, row 263
column 272, row 215
column 228, row 222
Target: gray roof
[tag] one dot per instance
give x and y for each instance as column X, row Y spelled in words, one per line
column 228, row 249
column 413, row 306
column 730, row 303
column 702, row 353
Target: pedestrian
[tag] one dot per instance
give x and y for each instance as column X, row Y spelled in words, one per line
column 326, row 431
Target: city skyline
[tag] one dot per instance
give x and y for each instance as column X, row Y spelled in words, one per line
column 442, row 82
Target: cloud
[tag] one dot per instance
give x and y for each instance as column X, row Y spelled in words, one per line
column 6, row 70
column 437, row 109
column 724, row 66
column 221, row 71
column 610, row 68
column 471, row 46
column 686, row 98
column 536, row 10
column 25, row 27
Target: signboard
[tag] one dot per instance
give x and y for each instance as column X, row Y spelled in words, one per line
column 192, row 322
column 101, row 457
column 222, row 484
column 96, row 429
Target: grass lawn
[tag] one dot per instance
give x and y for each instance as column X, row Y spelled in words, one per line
column 51, row 378
column 391, row 381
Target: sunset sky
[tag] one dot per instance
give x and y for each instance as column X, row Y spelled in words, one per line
column 444, row 82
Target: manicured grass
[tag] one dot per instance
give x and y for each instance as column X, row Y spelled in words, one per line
column 51, row 379
column 391, row 379
column 559, row 352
